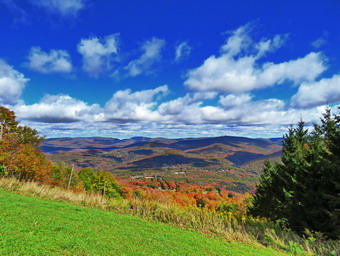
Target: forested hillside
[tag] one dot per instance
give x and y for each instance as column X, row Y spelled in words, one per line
column 223, row 161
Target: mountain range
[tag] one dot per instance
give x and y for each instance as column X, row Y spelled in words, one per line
column 232, row 162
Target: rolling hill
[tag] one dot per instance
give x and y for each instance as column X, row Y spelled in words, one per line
column 193, row 160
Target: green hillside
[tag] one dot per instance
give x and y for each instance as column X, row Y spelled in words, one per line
column 32, row 226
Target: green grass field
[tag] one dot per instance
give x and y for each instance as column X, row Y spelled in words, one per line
column 33, row 226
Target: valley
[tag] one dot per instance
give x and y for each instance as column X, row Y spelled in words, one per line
column 231, row 163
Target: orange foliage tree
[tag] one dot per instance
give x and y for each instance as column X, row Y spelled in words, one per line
column 19, row 156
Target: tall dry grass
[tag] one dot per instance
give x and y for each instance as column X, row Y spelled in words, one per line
column 35, row 189
column 231, row 227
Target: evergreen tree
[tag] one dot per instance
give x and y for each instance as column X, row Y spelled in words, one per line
column 303, row 190
column 330, row 180
column 266, row 204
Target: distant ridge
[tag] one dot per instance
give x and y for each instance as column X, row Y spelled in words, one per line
column 54, row 145
column 199, row 160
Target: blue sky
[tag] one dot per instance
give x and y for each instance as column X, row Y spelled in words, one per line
column 168, row 68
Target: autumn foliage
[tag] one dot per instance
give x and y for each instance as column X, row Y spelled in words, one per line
column 20, row 158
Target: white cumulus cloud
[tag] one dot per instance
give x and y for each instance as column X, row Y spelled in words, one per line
column 185, row 109
column 151, row 55
column 262, row 112
column 12, row 83
column 126, row 105
column 234, row 109
column 237, row 68
column 324, row 91
column 98, row 54
column 233, row 100
column 55, row 61
column 144, row 112
column 57, row 109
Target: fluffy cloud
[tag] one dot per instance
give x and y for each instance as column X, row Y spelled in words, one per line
column 56, row 61
column 126, row 105
column 324, row 91
column 98, row 54
column 57, row 109
column 232, row 100
column 239, row 110
column 147, row 106
column 152, row 54
column 264, row 112
column 62, row 7
column 237, row 69
column 129, row 113
column 185, row 109
column 182, row 51
column 12, row 84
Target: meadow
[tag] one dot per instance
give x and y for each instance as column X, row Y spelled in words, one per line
column 89, row 218
column 35, row 226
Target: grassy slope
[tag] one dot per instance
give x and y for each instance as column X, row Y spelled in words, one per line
column 32, row 226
